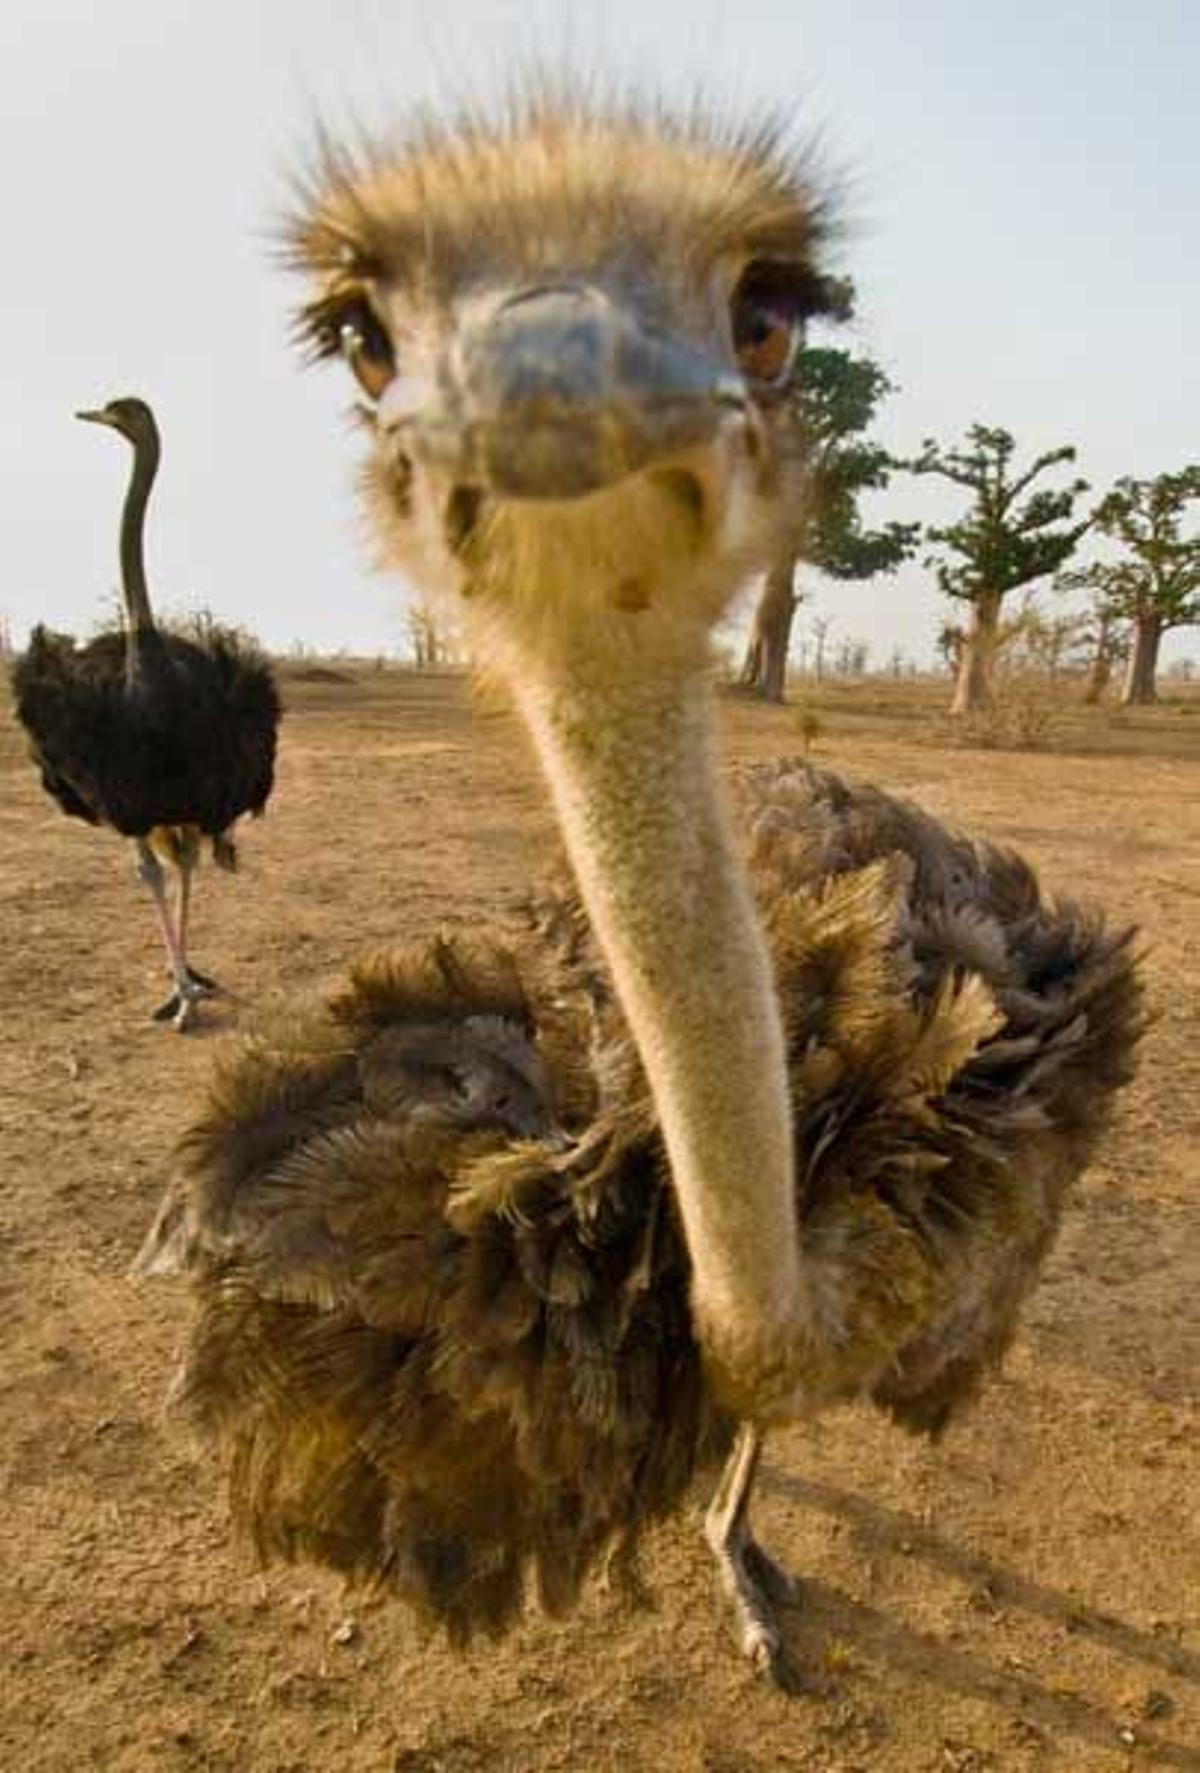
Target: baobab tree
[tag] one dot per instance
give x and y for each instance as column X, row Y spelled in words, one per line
column 1044, row 642
column 1006, row 540
column 852, row 656
column 1104, row 639
column 1155, row 585
column 433, row 641
column 820, row 634
column 950, row 645
column 833, row 397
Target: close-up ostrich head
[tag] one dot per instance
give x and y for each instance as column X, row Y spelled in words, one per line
column 573, row 327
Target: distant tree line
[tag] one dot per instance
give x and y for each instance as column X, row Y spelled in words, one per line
column 1021, row 526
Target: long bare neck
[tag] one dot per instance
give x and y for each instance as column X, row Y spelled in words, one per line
column 139, row 616
column 629, row 758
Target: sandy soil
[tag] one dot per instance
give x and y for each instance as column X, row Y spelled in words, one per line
column 1026, row 1596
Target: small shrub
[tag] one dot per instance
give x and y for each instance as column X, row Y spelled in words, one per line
column 1028, row 718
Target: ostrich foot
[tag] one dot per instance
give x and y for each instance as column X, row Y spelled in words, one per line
column 753, row 1581
column 190, row 986
column 757, row 1586
column 189, row 990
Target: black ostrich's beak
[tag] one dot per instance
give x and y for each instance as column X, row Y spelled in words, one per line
column 96, row 416
column 557, row 391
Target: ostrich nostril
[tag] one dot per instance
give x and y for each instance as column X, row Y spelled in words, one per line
column 687, row 493
column 574, row 292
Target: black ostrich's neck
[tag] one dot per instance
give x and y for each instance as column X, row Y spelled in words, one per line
column 139, row 616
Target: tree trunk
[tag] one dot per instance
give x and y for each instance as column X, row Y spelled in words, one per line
column 1098, row 678
column 820, row 630
column 1140, row 674
column 764, row 668
column 973, row 690
column 1100, row 673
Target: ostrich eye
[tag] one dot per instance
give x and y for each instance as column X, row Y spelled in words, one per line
column 367, row 349
column 766, row 343
column 770, row 305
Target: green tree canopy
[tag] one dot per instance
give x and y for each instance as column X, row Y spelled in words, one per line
column 1160, row 571
column 835, row 401
column 1155, row 582
column 1001, row 543
column 832, row 401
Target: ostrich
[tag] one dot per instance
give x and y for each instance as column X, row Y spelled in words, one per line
column 166, row 738
column 792, row 1128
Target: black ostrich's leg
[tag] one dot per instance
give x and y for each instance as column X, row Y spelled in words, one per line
column 178, row 1007
column 754, row 1583
column 187, row 864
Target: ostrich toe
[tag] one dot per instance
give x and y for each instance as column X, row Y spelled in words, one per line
column 179, row 1007
column 757, row 1586
column 755, row 1583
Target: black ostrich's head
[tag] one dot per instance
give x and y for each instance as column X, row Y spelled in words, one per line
column 128, row 415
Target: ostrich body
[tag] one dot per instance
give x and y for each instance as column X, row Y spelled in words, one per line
column 165, row 738
column 795, row 1151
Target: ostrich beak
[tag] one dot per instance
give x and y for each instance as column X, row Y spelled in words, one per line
column 556, row 392
column 96, row 416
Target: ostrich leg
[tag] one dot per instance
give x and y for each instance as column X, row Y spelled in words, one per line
column 753, row 1581
column 178, row 1007
column 187, row 864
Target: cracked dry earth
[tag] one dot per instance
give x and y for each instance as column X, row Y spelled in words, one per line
column 1025, row 1596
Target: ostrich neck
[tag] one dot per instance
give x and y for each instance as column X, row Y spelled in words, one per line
column 629, row 754
column 139, row 616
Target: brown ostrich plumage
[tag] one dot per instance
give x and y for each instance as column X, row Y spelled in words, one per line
column 442, row 1333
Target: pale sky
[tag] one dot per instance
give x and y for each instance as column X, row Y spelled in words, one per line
column 1025, row 241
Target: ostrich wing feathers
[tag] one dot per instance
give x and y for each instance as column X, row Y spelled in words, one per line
column 446, row 1344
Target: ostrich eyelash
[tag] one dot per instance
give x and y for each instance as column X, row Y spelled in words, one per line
column 322, row 325
column 792, row 290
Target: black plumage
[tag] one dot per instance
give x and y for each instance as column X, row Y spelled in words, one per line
column 167, row 737
column 191, row 741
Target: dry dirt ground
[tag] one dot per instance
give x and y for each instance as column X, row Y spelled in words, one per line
column 1025, row 1596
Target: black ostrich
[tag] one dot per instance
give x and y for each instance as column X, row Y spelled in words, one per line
column 166, row 738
